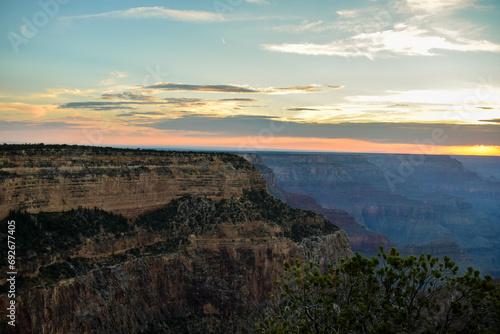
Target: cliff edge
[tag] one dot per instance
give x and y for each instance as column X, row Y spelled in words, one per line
column 130, row 182
column 201, row 257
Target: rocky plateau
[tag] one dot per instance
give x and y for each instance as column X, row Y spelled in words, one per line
column 140, row 241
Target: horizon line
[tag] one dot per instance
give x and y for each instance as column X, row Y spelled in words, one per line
column 235, row 150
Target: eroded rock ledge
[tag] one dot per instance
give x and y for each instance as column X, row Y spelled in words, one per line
column 130, row 182
column 206, row 258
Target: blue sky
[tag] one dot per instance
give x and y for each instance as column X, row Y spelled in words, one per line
column 377, row 76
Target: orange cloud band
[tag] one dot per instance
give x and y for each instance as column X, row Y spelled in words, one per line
column 162, row 139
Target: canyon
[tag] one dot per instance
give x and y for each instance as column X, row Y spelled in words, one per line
column 146, row 241
column 406, row 200
column 137, row 241
column 361, row 240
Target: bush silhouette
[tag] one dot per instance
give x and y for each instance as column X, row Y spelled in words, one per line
column 385, row 294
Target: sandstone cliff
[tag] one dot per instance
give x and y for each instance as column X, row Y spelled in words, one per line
column 203, row 261
column 60, row 177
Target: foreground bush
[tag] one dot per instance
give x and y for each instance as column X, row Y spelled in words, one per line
column 387, row 294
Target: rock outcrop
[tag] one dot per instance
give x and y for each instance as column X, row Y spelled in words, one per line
column 440, row 248
column 409, row 199
column 206, row 259
column 59, row 178
column 417, row 176
column 361, row 240
column 209, row 277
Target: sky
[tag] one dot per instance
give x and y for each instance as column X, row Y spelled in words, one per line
column 398, row 76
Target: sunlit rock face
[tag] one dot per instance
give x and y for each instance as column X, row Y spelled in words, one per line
column 203, row 250
column 57, row 178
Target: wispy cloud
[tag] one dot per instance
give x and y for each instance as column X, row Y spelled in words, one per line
column 398, row 106
column 303, row 109
column 132, row 95
column 427, row 96
column 145, row 114
column 159, row 13
column 305, row 26
column 296, row 89
column 35, row 110
column 399, row 28
column 495, row 120
column 147, row 97
column 402, row 40
column 239, row 100
column 177, row 87
column 112, row 79
column 108, row 105
column 168, row 107
column 432, row 6
column 30, row 125
column 354, row 13
column 100, row 105
column 50, row 93
column 460, row 105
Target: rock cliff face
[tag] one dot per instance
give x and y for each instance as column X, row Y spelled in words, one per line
column 442, row 174
column 409, row 199
column 210, row 277
column 486, row 167
column 361, row 240
column 438, row 248
column 203, row 261
column 58, row 178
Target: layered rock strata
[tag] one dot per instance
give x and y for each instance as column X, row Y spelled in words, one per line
column 206, row 258
column 410, row 199
column 361, row 239
column 60, row 177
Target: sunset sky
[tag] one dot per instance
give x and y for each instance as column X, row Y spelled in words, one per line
column 401, row 76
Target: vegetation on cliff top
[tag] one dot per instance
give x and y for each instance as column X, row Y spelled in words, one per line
column 79, row 151
column 45, row 236
column 387, row 294
column 198, row 215
column 52, row 232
